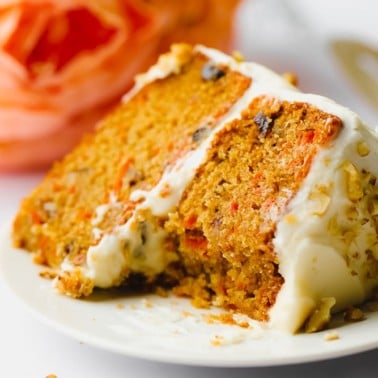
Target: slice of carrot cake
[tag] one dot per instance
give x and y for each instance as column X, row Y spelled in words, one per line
column 222, row 180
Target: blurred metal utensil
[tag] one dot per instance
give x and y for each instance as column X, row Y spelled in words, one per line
column 360, row 64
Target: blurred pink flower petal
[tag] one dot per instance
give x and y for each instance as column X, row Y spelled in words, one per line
column 64, row 63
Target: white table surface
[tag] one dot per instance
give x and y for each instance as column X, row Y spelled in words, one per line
column 31, row 349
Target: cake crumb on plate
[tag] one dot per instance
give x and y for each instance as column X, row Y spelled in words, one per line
column 331, row 336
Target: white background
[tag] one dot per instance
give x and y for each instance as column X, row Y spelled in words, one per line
column 30, row 349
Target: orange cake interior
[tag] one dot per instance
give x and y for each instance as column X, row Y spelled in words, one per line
column 216, row 240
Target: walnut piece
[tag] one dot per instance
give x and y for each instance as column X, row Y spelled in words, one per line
column 321, row 317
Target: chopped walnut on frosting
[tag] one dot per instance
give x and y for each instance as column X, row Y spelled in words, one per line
column 321, row 317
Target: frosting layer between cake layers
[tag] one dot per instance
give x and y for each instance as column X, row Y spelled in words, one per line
column 326, row 238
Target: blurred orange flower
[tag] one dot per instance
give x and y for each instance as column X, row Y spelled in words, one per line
column 65, row 63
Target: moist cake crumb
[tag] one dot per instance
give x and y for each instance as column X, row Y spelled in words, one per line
column 354, row 314
column 217, row 340
column 225, row 318
column 331, row 336
column 49, row 274
column 219, row 180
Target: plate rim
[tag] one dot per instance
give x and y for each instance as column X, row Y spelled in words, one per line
column 158, row 356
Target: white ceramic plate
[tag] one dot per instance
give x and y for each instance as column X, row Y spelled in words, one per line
column 170, row 329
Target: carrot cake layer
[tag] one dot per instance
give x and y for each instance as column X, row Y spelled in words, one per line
column 221, row 180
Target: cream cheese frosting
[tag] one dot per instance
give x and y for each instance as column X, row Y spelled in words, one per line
column 326, row 240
